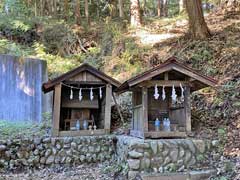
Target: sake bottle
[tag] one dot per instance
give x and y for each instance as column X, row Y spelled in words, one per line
column 157, row 125
column 78, row 125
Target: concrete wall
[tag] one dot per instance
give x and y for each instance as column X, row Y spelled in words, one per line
column 20, row 90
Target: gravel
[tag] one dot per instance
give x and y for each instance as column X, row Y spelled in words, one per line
column 86, row 172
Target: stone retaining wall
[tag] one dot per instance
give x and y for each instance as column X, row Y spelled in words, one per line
column 141, row 156
column 20, row 153
column 158, row 156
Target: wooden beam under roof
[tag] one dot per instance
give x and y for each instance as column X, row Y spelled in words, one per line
column 168, row 83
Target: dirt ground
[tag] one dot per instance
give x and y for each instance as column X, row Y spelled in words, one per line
column 82, row 172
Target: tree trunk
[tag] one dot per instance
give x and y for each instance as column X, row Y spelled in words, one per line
column 135, row 13
column 98, row 10
column 113, row 8
column 54, row 8
column 41, row 7
column 159, row 8
column 144, row 7
column 35, row 8
column 165, row 8
column 78, row 13
column 66, row 9
column 87, row 12
column 120, row 5
column 197, row 26
column 181, row 6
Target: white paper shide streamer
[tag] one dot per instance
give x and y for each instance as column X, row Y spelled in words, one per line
column 174, row 95
column 100, row 92
column 71, row 94
column 163, row 93
column 91, row 94
column 182, row 93
column 156, row 94
column 80, row 94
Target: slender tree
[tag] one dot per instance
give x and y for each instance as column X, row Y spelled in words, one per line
column 165, row 8
column 113, row 8
column 78, row 13
column 135, row 13
column 197, row 26
column 66, row 9
column 144, row 7
column 42, row 4
column 54, row 8
column 181, row 6
column 159, row 4
column 120, row 6
column 87, row 12
column 35, row 8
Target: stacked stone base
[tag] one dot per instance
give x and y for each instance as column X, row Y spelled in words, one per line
column 41, row 152
column 160, row 156
column 140, row 156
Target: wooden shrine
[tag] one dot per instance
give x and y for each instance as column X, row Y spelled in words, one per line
column 149, row 103
column 82, row 102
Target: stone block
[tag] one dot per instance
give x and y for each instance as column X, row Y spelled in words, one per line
column 200, row 145
column 134, row 164
column 134, row 154
column 132, row 175
column 154, row 147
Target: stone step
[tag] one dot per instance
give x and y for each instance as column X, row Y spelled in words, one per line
column 191, row 175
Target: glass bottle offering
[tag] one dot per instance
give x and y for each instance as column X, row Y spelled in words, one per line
column 85, row 125
column 166, row 124
column 157, row 125
column 78, row 125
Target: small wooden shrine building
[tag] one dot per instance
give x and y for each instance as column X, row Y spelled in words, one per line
column 163, row 93
column 81, row 102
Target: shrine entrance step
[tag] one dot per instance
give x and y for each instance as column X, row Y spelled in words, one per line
column 192, row 175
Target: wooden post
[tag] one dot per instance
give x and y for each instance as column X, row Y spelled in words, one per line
column 145, row 108
column 107, row 114
column 188, row 108
column 56, row 110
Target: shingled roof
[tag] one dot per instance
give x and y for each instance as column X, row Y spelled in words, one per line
column 172, row 63
column 49, row 86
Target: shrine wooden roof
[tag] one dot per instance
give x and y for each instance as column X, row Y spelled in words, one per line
column 198, row 80
column 49, row 86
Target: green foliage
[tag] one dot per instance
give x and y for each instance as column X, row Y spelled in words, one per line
column 222, row 134
column 46, row 120
column 57, row 38
column 12, row 48
column 117, row 168
column 15, row 8
column 229, row 166
column 20, row 129
column 200, row 158
column 16, row 25
column 56, row 64
column 221, row 178
column 204, row 53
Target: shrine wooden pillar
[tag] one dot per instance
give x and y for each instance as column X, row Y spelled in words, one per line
column 107, row 114
column 56, row 109
column 145, row 108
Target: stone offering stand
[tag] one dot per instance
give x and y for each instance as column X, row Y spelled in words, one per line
column 141, row 156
